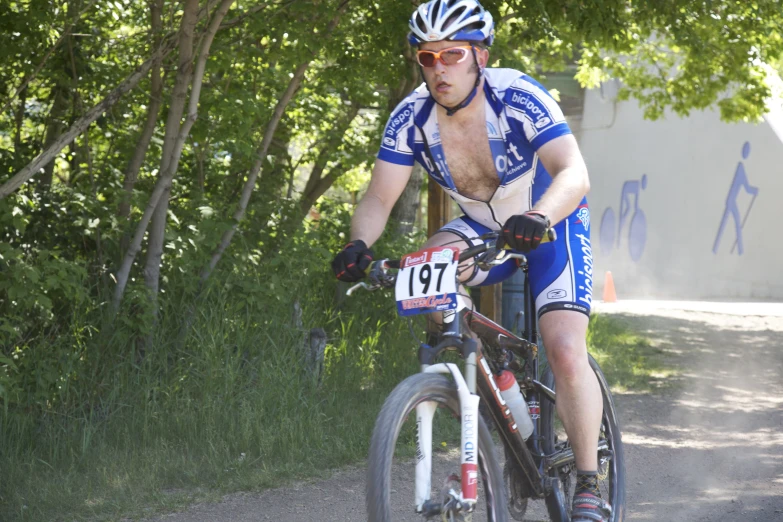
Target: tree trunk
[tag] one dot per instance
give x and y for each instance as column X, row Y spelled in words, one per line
column 156, row 91
column 18, row 120
column 201, row 153
column 403, row 215
column 82, row 123
column 268, row 135
column 170, row 154
column 319, row 189
column 250, row 184
column 157, row 232
column 173, row 130
column 316, row 185
column 53, row 130
column 278, row 149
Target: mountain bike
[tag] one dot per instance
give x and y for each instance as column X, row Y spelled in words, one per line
column 409, row 433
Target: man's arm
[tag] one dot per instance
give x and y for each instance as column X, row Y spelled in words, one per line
column 371, row 214
column 570, row 183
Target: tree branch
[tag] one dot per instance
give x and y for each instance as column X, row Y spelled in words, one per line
column 29, row 78
column 82, row 123
column 156, row 240
column 277, row 115
column 320, row 187
column 250, row 12
column 185, row 43
column 156, row 91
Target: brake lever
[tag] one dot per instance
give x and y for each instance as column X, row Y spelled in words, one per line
column 378, row 278
column 379, row 275
column 481, row 259
column 361, row 285
column 501, row 257
column 506, row 255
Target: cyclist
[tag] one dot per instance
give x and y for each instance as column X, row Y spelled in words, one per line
column 497, row 143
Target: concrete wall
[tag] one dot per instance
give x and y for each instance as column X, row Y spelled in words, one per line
column 672, row 235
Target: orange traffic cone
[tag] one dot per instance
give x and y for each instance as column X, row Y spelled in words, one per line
column 610, row 296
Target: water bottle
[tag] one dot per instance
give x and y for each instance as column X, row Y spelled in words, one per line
column 509, row 390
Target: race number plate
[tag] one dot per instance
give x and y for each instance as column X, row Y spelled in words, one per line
column 427, row 281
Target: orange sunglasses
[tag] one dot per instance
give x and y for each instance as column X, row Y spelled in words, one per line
column 448, row 56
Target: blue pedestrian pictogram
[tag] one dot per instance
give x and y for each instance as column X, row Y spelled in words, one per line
column 740, row 182
column 637, row 224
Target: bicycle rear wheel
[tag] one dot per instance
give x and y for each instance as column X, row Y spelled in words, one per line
column 392, row 459
column 611, row 461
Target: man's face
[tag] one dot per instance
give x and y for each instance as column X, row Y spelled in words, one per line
column 450, row 84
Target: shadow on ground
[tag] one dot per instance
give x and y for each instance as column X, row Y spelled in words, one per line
column 710, row 447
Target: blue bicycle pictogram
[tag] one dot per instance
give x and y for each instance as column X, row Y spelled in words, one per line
column 637, row 225
column 740, row 181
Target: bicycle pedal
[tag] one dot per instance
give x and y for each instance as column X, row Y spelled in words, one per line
column 431, row 509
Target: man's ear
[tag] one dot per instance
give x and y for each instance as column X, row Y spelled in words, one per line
column 483, row 57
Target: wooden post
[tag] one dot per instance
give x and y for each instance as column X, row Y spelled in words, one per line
column 439, row 214
column 491, row 301
column 439, row 207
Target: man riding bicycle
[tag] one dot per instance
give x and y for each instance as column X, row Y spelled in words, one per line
column 499, row 145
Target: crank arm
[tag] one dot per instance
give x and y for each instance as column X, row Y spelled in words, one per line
column 561, row 458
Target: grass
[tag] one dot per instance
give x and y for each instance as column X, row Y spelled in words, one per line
column 629, row 360
column 229, row 410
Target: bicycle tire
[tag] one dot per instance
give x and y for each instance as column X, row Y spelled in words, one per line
column 557, row 503
column 398, row 405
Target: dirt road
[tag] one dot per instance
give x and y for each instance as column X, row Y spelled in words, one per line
column 708, row 448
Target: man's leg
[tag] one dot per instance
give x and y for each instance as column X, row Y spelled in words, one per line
column 579, row 402
column 579, row 405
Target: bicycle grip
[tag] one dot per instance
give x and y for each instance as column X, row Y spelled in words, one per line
column 549, row 236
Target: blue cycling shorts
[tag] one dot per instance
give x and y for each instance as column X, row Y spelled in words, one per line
column 560, row 272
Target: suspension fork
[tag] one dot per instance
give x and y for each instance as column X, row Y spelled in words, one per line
column 452, row 338
column 483, row 382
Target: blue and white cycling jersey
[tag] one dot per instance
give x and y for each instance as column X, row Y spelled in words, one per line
column 521, row 117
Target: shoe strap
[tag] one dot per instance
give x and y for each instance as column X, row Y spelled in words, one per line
column 588, row 507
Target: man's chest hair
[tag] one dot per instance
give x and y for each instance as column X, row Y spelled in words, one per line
column 469, row 160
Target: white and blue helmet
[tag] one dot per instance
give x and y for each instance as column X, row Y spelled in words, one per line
column 439, row 20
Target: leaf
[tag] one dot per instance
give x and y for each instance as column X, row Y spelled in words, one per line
column 44, row 301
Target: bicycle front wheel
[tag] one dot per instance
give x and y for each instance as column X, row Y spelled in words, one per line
column 611, row 461
column 393, row 455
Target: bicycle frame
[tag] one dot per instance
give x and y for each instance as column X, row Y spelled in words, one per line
column 487, row 390
column 472, row 387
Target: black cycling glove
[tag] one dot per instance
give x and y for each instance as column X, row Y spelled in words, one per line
column 349, row 265
column 524, row 232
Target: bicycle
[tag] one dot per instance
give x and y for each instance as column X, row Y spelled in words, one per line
column 541, row 467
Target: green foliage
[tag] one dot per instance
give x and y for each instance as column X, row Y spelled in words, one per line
column 225, row 402
column 679, row 55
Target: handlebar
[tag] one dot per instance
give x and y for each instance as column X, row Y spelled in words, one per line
column 380, row 278
column 491, row 242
